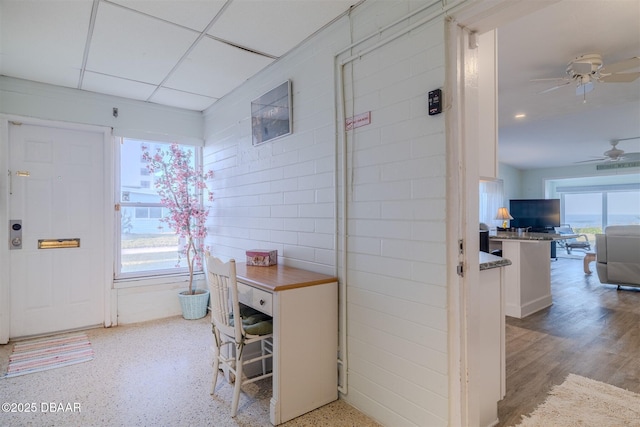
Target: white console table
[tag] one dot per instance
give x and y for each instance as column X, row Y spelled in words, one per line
column 528, row 280
column 304, row 307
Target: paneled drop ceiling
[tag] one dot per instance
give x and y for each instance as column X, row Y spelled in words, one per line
column 182, row 53
column 189, row 53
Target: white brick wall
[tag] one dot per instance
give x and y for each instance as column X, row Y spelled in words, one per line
column 282, row 194
column 396, row 250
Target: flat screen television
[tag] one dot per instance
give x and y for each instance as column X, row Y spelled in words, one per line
column 539, row 214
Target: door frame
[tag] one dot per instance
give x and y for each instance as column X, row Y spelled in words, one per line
column 108, row 203
column 463, row 103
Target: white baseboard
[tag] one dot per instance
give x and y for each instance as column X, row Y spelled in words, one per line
column 531, row 307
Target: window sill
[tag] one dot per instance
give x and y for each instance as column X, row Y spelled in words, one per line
column 134, row 282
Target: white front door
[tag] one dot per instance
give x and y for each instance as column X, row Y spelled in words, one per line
column 57, row 192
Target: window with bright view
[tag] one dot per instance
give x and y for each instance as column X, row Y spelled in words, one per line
column 590, row 209
column 146, row 246
column 491, row 198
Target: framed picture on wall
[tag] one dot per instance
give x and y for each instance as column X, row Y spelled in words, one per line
column 271, row 114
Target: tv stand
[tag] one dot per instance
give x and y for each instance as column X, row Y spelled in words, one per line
column 553, row 244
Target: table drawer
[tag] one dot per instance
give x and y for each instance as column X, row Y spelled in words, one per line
column 256, row 298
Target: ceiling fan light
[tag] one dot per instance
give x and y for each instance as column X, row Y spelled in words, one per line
column 584, row 88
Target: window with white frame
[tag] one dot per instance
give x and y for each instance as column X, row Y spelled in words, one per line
column 491, row 198
column 145, row 246
column 590, row 209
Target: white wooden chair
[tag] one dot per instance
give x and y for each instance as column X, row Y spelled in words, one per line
column 227, row 331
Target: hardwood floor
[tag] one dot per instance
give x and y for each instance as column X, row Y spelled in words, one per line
column 592, row 330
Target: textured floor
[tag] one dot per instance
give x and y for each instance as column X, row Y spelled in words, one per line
column 149, row 374
column 590, row 330
column 157, row 373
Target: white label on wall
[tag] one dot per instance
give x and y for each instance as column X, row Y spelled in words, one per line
column 357, row 121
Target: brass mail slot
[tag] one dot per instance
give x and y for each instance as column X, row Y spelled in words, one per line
column 58, row 243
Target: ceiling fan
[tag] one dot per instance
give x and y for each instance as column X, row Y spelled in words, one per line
column 614, row 154
column 586, row 69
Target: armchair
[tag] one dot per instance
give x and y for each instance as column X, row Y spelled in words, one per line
column 618, row 255
column 573, row 240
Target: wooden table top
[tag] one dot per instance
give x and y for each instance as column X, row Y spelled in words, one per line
column 280, row 277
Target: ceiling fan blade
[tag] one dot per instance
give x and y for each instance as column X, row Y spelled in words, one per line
column 598, row 159
column 627, row 64
column 626, row 157
column 627, row 139
column 619, row 78
column 555, row 87
column 551, row 79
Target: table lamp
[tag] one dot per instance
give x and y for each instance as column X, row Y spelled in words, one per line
column 504, row 215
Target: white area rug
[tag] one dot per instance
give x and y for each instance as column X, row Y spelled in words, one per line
column 584, row 402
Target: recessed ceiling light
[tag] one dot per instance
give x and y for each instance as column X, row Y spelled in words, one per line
column 520, row 116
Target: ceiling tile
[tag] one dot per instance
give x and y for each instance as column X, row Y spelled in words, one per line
column 33, row 69
column 194, row 14
column 270, row 27
column 44, row 41
column 213, row 68
column 189, row 101
column 135, row 46
column 116, row 86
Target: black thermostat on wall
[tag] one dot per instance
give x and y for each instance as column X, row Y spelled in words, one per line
column 435, row 102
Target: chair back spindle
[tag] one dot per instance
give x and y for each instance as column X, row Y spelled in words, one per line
column 222, row 283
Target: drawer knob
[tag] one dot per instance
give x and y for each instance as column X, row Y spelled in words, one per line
column 262, row 302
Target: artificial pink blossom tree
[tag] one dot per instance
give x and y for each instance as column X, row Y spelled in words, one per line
column 180, row 185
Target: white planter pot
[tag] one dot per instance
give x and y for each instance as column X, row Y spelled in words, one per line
column 194, row 306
